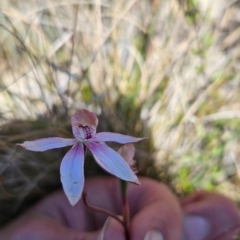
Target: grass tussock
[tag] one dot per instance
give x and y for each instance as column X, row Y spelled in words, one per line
column 164, row 69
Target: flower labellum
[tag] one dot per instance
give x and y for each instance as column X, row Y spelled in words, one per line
column 84, row 124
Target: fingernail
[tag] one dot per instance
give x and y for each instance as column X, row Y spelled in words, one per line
column 104, row 228
column 195, row 228
column 153, row 234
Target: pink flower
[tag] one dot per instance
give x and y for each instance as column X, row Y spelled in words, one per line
column 84, row 124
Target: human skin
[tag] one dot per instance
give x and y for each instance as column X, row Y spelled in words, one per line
column 156, row 213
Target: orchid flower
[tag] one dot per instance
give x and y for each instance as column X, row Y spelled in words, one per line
column 84, row 124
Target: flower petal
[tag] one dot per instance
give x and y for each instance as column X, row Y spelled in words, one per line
column 127, row 151
column 111, row 161
column 44, row 144
column 114, row 137
column 72, row 173
column 84, row 124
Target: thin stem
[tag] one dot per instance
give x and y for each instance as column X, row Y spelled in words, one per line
column 98, row 209
column 123, row 188
column 125, row 209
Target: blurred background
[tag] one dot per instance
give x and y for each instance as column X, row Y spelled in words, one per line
column 163, row 69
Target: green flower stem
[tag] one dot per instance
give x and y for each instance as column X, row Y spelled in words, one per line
column 125, row 209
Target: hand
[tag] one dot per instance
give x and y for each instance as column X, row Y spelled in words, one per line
column 156, row 214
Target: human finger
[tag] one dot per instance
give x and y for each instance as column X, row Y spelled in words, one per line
column 156, row 212
column 40, row 227
column 43, row 227
column 209, row 216
column 112, row 229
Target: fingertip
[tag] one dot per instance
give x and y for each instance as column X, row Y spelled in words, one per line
column 195, row 227
column 153, row 234
column 220, row 212
column 153, row 206
column 157, row 222
column 112, row 229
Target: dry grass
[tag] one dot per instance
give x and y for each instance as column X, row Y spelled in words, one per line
column 165, row 69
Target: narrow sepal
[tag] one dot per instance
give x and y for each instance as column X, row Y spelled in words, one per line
column 114, row 137
column 112, row 162
column 41, row 145
column 72, row 173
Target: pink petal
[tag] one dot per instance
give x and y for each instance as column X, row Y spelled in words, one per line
column 44, row 144
column 72, row 173
column 114, row 137
column 111, row 161
column 127, row 151
column 85, row 118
